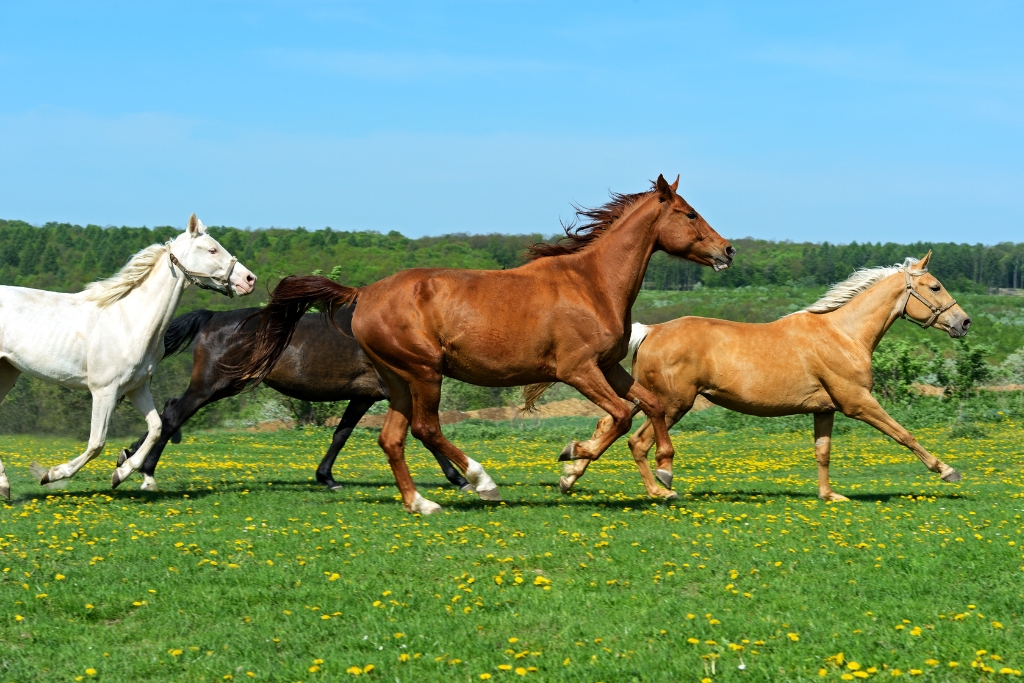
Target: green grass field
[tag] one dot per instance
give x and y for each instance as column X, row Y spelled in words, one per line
column 243, row 568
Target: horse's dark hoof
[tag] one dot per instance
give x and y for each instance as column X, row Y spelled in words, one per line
column 176, row 437
column 568, row 453
column 664, row 477
column 123, row 456
column 952, row 476
column 333, row 485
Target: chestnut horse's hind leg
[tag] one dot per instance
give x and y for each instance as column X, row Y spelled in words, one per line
column 823, row 453
column 606, row 391
column 426, row 426
column 866, row 409
column 392, row 442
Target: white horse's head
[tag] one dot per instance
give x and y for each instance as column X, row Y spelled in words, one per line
column 205, row 262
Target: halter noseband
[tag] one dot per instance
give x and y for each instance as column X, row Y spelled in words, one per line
column 224, row 283
column 936, row 310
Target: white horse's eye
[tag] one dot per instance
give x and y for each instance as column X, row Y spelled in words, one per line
column 213, row 251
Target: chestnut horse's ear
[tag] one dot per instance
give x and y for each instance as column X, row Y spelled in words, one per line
column 665, row 191
column 675, row 185
column 923, row 263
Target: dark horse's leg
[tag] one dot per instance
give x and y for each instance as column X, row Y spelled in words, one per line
column 357, row 407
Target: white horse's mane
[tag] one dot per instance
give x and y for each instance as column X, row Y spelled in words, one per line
column 121, row 283
column 862, row 279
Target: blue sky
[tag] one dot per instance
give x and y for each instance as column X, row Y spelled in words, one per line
column 802, row 121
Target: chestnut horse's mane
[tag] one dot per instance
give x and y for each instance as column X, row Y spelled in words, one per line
column 577, row 237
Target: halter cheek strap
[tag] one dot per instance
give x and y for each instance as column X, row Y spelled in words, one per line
column 224, row 284
column 936, row 310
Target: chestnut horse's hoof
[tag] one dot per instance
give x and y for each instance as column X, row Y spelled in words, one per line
column 489, row 494
column 568, row 453
column 467, row 488
column 422, row 506
column 564, row 484
column 951, row 476
column 664, row 477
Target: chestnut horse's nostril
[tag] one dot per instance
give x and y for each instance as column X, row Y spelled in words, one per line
column 730, row 251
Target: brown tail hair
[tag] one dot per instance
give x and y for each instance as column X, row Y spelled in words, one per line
column 276, row 322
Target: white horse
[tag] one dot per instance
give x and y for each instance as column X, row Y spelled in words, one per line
column 109, row 337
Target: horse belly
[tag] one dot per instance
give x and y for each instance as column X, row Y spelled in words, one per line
column 41, row 337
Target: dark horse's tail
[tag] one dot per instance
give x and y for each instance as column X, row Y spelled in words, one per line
column 277, row 320
column 183, row 330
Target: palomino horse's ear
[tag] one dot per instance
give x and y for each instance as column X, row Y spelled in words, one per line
column 675, row 185
column 923, row 263
column 665, row 191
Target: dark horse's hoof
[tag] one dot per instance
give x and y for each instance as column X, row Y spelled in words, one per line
column 952, row 476
column 123, row 456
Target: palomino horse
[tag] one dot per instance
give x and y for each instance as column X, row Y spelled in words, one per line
column 817, row 361
column 562, row 317
column 108, row 338
column 318, row 365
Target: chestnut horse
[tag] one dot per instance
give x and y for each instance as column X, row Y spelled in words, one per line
column 816, row 361
column 564, row 316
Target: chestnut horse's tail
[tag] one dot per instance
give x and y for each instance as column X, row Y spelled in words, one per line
column 532, row 392
column 276, row 322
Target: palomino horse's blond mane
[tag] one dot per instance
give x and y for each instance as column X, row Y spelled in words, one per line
column 862, row 279
column 121, row 283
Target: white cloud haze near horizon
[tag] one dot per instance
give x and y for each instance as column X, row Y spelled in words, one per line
column 872, row 122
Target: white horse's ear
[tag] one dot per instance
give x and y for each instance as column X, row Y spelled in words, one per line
column 195, row 226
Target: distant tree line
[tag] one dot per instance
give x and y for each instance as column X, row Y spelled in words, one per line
column 64, row 257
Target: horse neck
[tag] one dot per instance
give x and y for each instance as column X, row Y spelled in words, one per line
column 151, row 305
column 617, row 261
column 870, row 314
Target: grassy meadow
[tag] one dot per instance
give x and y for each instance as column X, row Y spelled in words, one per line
column 242, row 568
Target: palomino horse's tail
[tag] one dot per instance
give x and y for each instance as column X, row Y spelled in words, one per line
column 637, row 335
column 276, row 322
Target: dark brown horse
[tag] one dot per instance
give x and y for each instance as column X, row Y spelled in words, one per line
column 318, row 365
column 564, row 316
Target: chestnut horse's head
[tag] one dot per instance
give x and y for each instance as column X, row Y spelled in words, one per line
column 684, row 233
column 928, row 302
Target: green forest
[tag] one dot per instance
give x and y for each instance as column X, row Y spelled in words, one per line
column 768, row 279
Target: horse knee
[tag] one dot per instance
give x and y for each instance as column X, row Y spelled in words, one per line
column 427, row 432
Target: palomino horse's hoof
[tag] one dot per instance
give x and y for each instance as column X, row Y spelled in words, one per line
column 123, row 456
column 564, row 484
column 568, row 453
column 664, row 477
column 467, row 488
column 952, row 476
column 489, row 494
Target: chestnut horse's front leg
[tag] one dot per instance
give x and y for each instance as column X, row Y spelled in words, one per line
column 605, row 390
column 865, row 408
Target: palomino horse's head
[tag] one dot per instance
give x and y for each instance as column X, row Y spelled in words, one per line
column 928, row 303
column 684, row 233
column 207, row 264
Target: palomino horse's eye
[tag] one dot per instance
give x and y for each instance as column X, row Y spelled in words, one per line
column 935, row 287
column 692, row 215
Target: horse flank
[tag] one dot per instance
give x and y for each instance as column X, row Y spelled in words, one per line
column 862, row 279
column 134, row 273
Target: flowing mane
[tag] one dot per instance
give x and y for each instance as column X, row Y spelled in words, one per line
column 577, row 237
column 121, row 283
column 862, row 279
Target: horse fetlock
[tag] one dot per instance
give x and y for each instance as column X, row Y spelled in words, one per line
column 481, row 481
column 422, row 506
column 665, row 477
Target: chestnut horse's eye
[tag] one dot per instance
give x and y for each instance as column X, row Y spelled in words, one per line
column 692, row 215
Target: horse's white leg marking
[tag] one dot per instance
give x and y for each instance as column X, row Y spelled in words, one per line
column 149, row 483
column 104, row 401
column 424, row 506
column 8, row 376
column 481, row 481
column 142, row 399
